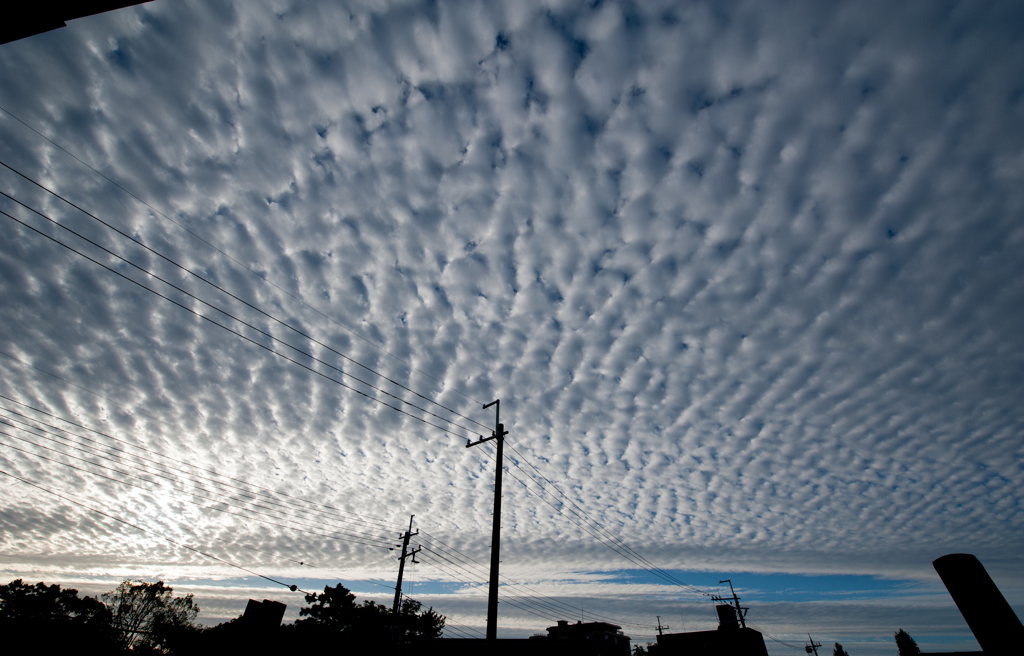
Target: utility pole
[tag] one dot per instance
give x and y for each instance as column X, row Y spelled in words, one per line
column 492, row 594
column 660, row 627
column 813, row 647
column 401, row 570
column 741, row 613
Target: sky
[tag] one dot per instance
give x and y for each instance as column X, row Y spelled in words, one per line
column 745, row 276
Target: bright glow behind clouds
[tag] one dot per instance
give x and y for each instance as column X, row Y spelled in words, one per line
column 745, row 277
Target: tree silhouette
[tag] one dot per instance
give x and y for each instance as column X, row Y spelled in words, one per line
column 148, row 615
column 44, row 616
column 906, row 645
column 415, row 624
column 839, row 651
column 335, row 616
column 335, row 608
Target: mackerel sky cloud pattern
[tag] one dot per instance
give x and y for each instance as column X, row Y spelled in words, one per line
column 746, row 277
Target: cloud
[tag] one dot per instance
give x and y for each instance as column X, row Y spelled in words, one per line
column 744, row 277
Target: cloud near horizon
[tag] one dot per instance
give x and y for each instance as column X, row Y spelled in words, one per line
column 746, row 278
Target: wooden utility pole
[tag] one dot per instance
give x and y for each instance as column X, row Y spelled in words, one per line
column 401, row 570
column 492, row 593
column 813, row 647
column 741, row 613
column 661, row 628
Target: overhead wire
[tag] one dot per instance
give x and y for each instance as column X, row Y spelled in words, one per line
column 537, row 601
column 384, row 541
column 520, row 597
column 162, row 473
column 460, row 633
column 265, row 498
column 774, row 638
column 222, row 326
column 84, row 389
column 513, row 585
column 224, row 291
column 262, row 278
column 582, row 514
column 625, row 552
column 577, row 511
column 633, row 557
column 547, row 603
column 521, row 600
column 175, row 542
column 343, row 514
column 294, row 525
column 230, row 316
column 239, row 263
column 524, row 598
column 293, row 588
column 453, row 571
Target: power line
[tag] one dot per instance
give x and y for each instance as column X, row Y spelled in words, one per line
column 521, row 599
column 581, row 513
column 263, row 498
column 221, row 289
column 624, row 551
column 231, row 316
column 266, row 490
column 459, row 569
column 520, row 596
column 295, row 525
column 293, row 588
column 241, row 264
column 84, row 389
column 645, row 563
column 633, row 555
column 524, row 596
column 219, row 325
column 624, row 554
column 648, row 566
column 339, row 534
column 542, row 603
column 462, row 633
column 771, row 637
column 447, row 570
column 511, row 583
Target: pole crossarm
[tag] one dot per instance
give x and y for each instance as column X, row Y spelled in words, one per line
column 482, row 440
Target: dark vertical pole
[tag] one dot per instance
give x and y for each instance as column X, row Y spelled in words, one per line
column 401, row 570
column 740, row 615
column 492, row 594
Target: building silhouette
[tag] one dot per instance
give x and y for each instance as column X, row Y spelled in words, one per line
column 729, row 638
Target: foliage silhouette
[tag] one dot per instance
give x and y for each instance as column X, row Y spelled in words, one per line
column 145, row 618
column 333, row 617
column 148, row 617
column 906, row 645
column 44, row 618
column 839, row 651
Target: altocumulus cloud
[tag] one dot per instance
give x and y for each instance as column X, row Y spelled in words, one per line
column 745, row 277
